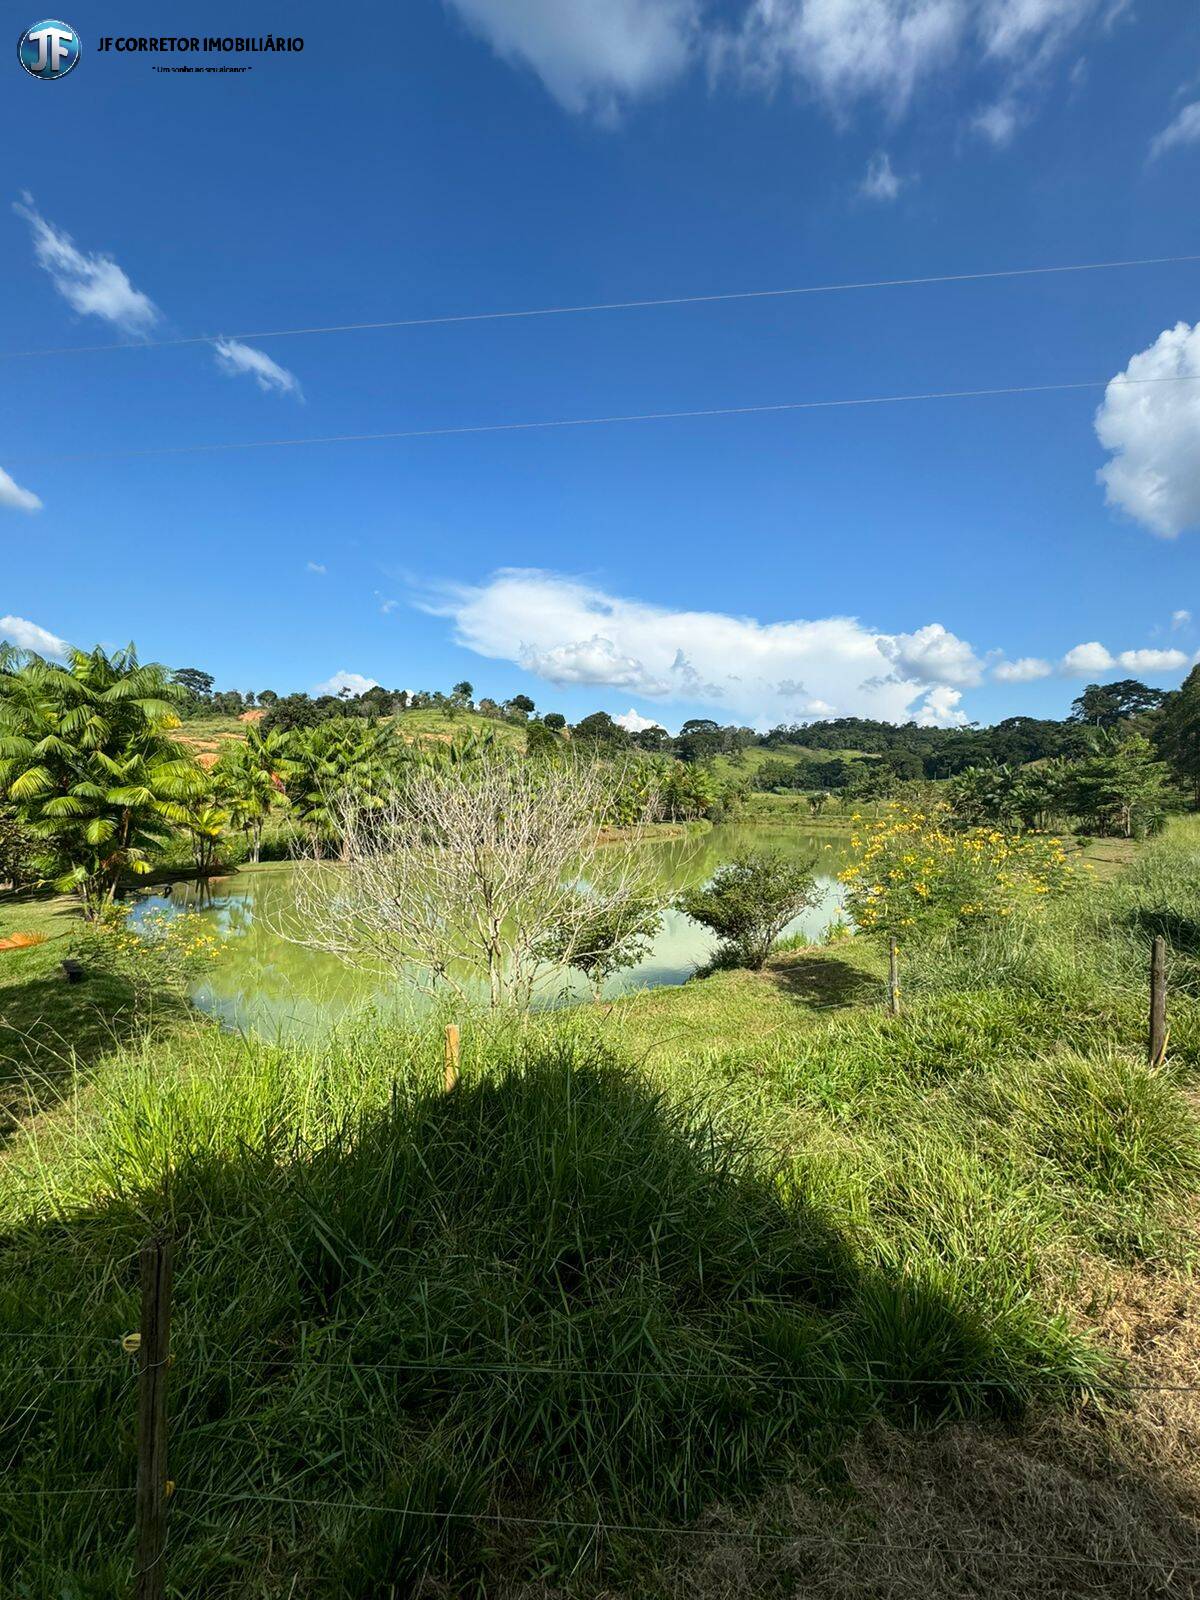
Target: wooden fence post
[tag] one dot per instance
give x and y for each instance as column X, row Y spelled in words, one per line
column 1158, row 1001
column 451, row 1055
column 152, row 1486
column 893, row 978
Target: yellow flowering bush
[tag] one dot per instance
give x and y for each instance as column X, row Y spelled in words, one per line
column 160, row 951
column 914, row 872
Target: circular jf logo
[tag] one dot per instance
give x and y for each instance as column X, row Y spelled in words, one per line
column 49, row 49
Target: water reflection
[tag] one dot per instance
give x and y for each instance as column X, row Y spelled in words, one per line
column 271, row 986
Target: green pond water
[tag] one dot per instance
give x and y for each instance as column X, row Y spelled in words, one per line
column 265, row 984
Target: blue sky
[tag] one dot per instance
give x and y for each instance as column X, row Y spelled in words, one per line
column 946, row 559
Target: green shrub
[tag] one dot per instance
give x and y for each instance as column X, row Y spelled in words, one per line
column 750, row 901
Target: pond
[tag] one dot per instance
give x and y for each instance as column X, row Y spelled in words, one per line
column 266, row 984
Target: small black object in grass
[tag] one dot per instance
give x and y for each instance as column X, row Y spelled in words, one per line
column 73, row 971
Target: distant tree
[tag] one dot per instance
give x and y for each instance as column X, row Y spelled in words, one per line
column 248, row 778
column 554, row 719
column 653, row 738
column 205, row 824
column 541, row 739
column 462, row 692
column 1178, row 734
column 293, row 711
column 699, row 739
column 1104, row 705
column 750, row 901
column 1121, row 788
column 599, row 731
column 267, row 697
column 520, row 705
column 196, row 683
column 333, row 772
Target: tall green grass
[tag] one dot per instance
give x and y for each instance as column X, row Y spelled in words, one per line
column 567, row 1293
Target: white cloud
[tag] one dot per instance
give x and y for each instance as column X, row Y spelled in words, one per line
column 1153, row 431
column 1183, row 128
column 1085, row 658
column 1152, row 660
column 882, row 181
column 234, row 358
column 352, row 683
column 847, row 50
column 1180, row 619
column 594, row 660
column 570, row 632
column 634, row 722
column 933, row 655
column 939, row 709
column 998, row 123
column 316, row 566
column 591, row 57
column 883, row 50
column 1023, row 671
column 93, row 285
column 28, row 636
column 1093, row 657
column 14, row 497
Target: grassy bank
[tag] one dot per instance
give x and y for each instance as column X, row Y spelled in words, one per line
column 744, row 1258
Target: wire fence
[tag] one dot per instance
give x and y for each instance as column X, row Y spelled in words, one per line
column 189, row 1496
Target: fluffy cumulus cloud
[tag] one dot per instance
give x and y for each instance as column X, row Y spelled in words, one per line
column 1087, row 659
column 1152, row 660
column 1183, row 128
column 1025, row 670
column 940, row 709
column 634, row 722
column 28, row 635
column 882, row 181
column 93, row 285
column 590, row 57
column 933, row 655
column 236, row 359
column 351, row 684
column 1151, row 425
column 570, row 632
column 14, row 497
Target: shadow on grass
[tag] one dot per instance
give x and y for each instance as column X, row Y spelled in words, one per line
column 1181, row 932
column 550, row 1296
column 821, row 981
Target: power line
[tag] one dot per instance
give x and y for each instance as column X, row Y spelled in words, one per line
column 608, row 421
column 607, row 305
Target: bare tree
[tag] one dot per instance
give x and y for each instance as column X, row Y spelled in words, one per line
column 468, row 875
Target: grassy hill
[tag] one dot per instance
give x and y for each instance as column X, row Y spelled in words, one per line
column 206, row 735
column 747, row 763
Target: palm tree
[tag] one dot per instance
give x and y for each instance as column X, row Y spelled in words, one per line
column 344, row 763
column 88, row 763
column 206, row 822
column 248, row 778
